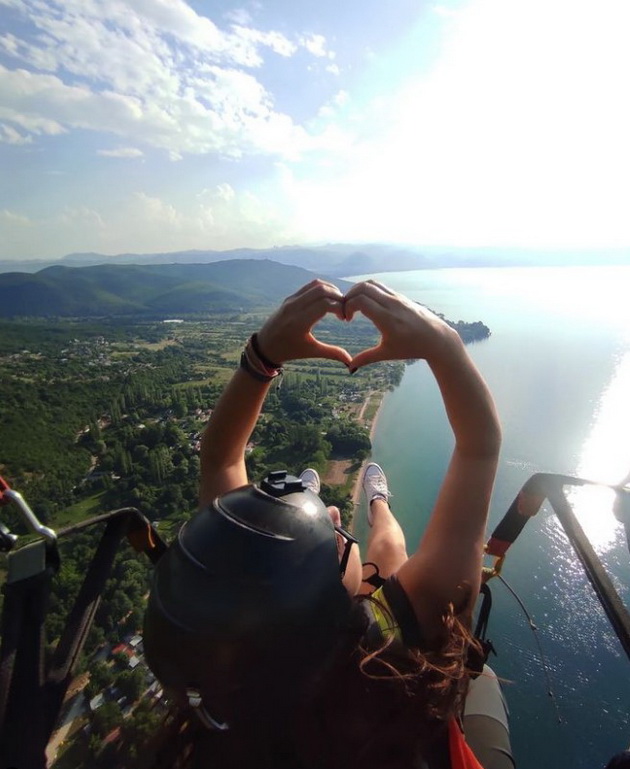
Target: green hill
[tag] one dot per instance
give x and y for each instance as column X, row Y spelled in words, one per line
column 150, row 290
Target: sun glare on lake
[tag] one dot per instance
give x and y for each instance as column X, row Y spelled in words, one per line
column 605, row 458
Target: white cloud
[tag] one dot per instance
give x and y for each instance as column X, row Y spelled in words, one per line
column 219, row 219
column 225, row 192
column 239, row 16
column 121, row 152
column 337, row 102
column 8, row 135
column 276, row 41
column 44, row 104
column 82, row 217
column 229, row 112
column 316, row 45
column 149, row 70
column 10, row 217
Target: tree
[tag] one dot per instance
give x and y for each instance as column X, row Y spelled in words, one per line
column 107, row 718
column 347, row 438
column 121, row 660
column 140, row 728
column 101, row 676
column 132, row 683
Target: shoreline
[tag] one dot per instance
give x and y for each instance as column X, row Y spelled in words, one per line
column 356, row 486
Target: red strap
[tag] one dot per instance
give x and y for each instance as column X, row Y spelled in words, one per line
column 461, row 755
column 4, row 486
column 497, row 547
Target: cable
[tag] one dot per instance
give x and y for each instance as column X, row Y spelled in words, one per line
column 543, row 658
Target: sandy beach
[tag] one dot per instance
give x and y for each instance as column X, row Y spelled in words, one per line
column 356, row 488
column 338, row 470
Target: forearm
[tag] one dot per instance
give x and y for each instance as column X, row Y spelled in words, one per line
column 445, row 570
column 286, row 335
column 227, row 433
column 467, row 399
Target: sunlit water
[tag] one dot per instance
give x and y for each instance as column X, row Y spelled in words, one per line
column 558, row 363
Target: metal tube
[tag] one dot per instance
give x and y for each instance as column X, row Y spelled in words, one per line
column 31, row 519
column 608, row 597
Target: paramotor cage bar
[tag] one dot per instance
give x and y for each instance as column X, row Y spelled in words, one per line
column 549, row 486
column 33, row 684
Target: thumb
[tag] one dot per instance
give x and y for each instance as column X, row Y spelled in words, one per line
column 365, row 357
column 335, row 515
column 331, row 351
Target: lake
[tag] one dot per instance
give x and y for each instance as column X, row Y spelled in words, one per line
column 558, row 363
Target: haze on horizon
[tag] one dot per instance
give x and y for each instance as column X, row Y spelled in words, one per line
column 160, row 125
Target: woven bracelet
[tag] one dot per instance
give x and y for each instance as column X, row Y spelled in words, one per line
column 269, row 364
column 245, row 364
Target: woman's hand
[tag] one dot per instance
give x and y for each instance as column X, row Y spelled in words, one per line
column 287, row 334
column 408, row 330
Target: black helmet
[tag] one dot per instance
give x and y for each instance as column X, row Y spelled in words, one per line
column 248, row 601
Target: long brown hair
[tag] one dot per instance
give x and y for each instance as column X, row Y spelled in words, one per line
column 387, row 706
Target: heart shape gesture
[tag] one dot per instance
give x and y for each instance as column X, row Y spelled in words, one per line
column 407, row 329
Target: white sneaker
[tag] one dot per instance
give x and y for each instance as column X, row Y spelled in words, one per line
column 310, row 478
column 374, row 486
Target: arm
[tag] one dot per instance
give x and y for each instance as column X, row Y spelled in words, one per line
column 446, row 567
column 286, row 335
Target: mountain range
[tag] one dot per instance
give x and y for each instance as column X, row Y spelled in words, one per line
column 190, row 282
column 156, row 290
column 339, row 259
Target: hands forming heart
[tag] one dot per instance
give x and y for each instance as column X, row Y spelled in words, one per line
column 407, row 329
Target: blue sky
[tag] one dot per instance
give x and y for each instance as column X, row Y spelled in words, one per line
column 158, row 125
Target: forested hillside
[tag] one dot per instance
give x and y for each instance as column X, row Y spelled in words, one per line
column 156, row 291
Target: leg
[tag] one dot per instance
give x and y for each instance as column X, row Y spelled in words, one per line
column 486, row 722
column 352, row 577
column 386, row 541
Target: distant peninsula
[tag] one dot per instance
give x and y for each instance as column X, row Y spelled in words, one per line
column 469, row 332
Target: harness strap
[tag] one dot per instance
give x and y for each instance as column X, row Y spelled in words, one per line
column 476, row 660
column 484, row 613
column 374, row 579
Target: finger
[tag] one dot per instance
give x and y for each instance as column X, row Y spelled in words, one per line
column 336, row 307
column 331, row 351
column 383, row 287
column 370, row 291
column 316, row 304
column 335, row 515
column 365, row 357
column 371, row 288
column 314, row 286
column 368, row 306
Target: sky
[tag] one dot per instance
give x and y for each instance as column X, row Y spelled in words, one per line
column 165, row 125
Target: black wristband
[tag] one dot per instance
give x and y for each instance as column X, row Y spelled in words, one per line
column 265, row 360
column 252, row 371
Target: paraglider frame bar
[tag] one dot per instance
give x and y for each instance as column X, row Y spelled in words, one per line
column 552, row 487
